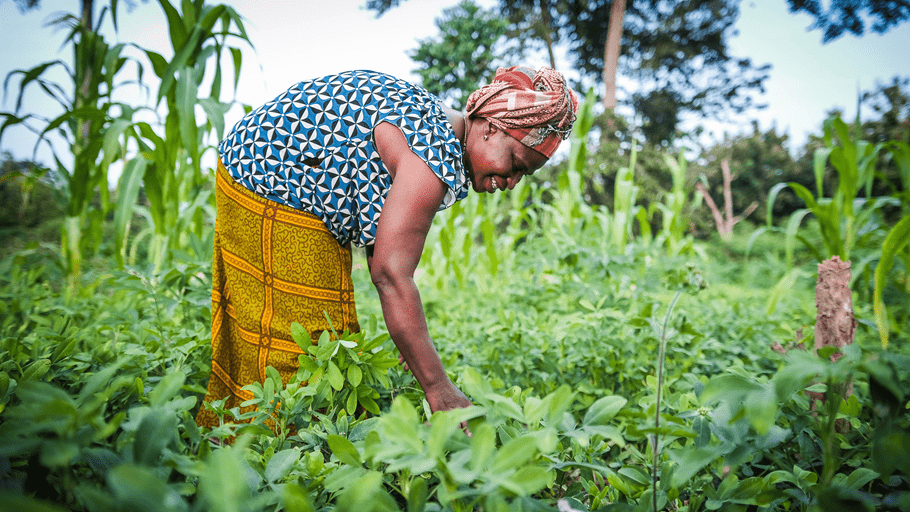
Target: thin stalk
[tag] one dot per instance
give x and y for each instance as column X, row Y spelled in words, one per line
column 660, row 384
column 833, row 397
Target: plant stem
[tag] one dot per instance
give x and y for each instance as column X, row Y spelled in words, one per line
column 660, row 383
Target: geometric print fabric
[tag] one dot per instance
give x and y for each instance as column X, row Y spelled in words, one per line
column 311, row 148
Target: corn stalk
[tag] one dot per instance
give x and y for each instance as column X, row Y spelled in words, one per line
column 168, row 163
column 88, row 113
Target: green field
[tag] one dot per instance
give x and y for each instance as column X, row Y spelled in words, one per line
column 623, row 351
column 554, row 331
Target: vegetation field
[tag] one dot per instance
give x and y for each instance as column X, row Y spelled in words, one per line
column 629, row 345
column 611, row 371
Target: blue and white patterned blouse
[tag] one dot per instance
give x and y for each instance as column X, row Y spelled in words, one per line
column 311, row 148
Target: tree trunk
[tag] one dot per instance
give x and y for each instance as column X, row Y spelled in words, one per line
column 547, row 30
column 611, row 52
column 835, row 325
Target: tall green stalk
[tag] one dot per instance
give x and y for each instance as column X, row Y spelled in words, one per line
column 674, row 224
column 661, row 356
column 172, row 176
column 624, row 199
column 88, row 113
column 688, row 279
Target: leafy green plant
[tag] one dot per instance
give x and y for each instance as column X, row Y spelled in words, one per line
column 99, row 130
column 168, row 164
column 89, row 112
column 845, row 219
column 673, row 224
column 895, row 245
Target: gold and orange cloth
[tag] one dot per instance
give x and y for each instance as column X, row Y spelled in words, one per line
column 272, row 265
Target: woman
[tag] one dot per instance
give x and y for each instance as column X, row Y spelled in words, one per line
column 366, row 158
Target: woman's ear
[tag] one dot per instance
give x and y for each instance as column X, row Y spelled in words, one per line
column 490, row 130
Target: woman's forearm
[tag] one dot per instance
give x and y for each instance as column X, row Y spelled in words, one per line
column 407, row 325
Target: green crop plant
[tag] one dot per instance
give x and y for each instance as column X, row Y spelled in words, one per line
column 847, row 219
column 625, row 209
column 89, row 113
column 896, row 245
column 674, row 222
column 557, row 350
column 168, row 164
column 99, row 131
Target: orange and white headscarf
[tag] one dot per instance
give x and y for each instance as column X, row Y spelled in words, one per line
column 535, row 107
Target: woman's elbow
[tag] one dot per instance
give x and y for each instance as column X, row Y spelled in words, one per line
column 387, row 276
column 381, row 276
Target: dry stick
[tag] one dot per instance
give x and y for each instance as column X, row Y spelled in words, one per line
column 835, row 326
column 725, row 221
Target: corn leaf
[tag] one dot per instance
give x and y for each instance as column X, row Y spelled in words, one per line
column 896, row 240
column 127, row 193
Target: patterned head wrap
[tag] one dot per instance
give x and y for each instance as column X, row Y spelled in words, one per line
column 534, row 107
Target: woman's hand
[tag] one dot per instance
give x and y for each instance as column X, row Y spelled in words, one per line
column 445, row 396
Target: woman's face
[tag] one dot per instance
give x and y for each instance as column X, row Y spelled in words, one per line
column 497, row 162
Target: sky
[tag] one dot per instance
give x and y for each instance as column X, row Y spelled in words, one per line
column 299, row 39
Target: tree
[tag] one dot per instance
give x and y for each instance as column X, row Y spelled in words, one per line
column 891, row 104
column 611, row 52
column 674, row 49
column 847, row 15
column 452, row 65
column 27, row 193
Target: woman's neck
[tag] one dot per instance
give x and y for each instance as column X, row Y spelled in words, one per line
column 458, row 122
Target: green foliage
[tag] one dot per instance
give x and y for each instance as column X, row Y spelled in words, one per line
column 88, row 112
column 852, row 220
column 850, row 16
column 27, row 194
column 598, row 383
column 759, row 161
column 845, row 219
column 542, row 318
column 895, row 245
column 452, row 66
column 98, row 400
column 168, row 164
column 98, row 131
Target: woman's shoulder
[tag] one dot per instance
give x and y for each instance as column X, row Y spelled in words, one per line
column 358, row 79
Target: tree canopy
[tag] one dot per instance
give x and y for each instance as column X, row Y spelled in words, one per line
column 452, row 65
column 847, row 15
column 675, row 51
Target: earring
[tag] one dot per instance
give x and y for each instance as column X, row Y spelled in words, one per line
column 484, row 137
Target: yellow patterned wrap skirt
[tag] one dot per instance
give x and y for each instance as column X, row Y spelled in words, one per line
column 272, row 265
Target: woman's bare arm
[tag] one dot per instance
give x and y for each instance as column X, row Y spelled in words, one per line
column 408, row 212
